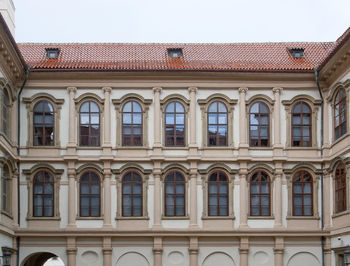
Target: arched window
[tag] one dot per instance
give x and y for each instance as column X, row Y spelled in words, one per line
column 301, row 125
column 43, row 194
column 5, row 113
column 302, row 194
column 6, row 189
column 90, row 194
column 132, row 194
column 132, row 124
column 89, row 124
column 218, row 194
column 174, row 187
column 175, row 124
column 217, row 124
column 260, row 194
column 43, row 124
column 340, row 114
column 259, row 125
column 340, row 188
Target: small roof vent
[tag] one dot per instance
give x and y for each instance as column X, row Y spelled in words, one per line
column 175, row 53
column 52, row 53
column 297, row 53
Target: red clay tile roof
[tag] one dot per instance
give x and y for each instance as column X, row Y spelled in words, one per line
column 196, row 57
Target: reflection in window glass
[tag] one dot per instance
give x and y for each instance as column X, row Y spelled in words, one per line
column 259, row 125
column 174, row 187
column 90, row 195
column 301, row 125
column 218, row 194
column 302, row 194
column 217, row 124
column 175, row 124
column 89, row 119
column 132, row 194
column 132, row 124
column 43, row 124
column 260, row 194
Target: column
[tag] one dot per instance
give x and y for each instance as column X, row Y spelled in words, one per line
column 14, row 199
column 157, row 251
column 71, row 194
column 326, row 123
column 157, row 196
column 107, row 118
column 243, row 251
column 71, row 251
column 278, row 251
column 328, row 252
column 243, row 195
column 278, row 194
column 107, row 195
column 157, row 140
column 327, row 199
column 193, row 122
column 277, row 117
column 71, row 137
column 193, row 195
column 14, row 122
column 243, row 140
column 107, row 251
column 193, row 250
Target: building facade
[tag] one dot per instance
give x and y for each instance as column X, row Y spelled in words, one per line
column 175, row 154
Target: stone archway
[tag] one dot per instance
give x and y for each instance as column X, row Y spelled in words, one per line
column 42, row 259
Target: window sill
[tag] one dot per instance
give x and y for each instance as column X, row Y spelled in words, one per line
column 175, row 217
column 261, row 217
column 217, row 148
column 335, row 215
column 175, row 148
column 132, row 218
column 303, row 218
column 335, row 141
column 261, row 148
column 89, row 148
column 229, row 217
column 133, row 148
column 32, row 218
column 9, row 215
column 43, row 147
column 89, row 218
column 302, row 148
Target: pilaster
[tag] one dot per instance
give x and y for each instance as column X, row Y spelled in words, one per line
column 157, row 251
column 72, row 143
column 157, row 196
column 157, row 145
column 107, row 146
column 278, row 194
column 71, row 195
column 71, row 251
column 243, row 195
column 14, row 199
column 193, row 196
column 193, row 250
column 278, row 251
column 243, row 251
column 327, row 199
column 277, row 146
column 193, row 122
column 243, row 141
column 107, row 195
column 107, row 251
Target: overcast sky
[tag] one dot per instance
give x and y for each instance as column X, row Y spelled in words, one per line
column 178, row 21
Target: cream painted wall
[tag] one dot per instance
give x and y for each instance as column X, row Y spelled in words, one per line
column 173, row 256
column 261, row 256
column 38, row 247
column 132, row 255
column 218, row 255
column 306, row 255
column 89, row 256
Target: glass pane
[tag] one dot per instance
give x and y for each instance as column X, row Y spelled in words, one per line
column 169, row 200
column 48, row 119
column 223, row 200
column 296, row 131
column 136, row 107
column 95, row 189
column 38, row 189
column 265, row 201
column 137, row 119
column 180, row 200
column 264, row 120
column 307, row 210
column 212, row 188
column 84, row 119
column 264, row 188
column 84, row 188
column 48, row 188
column 265, row 211
column 213, row 200
column 255, row 200
column 137, row 202
column 306, row 120
column 254, row 108
column 222, row 118
column 170, row 210
column 127, row 107
column 38, row 119
column 169, row 188
column 48, row 107
column 263, row 108
column 94, row 107
column 170, row 119
column 180, row 188
column 212, row 129
column 254, row 188
column 222, row 130
column 297, row 211
column 95, row 118
column 296, row 119
column 306, row 108
column 212, row 118
column 297, row 108
column 137, row 189
column 126, row 118
column 126, row 201
column 180, row 211
column 222, row 108
column 170, row 107
column 307, row 200
column 298, row 200
column 179, row 108
column 213, row 107
column 255, row 211
column 307, row 188
column 38, row 107
column 180, row 119
column 253, row 119
column 222, row 188
column 84, row 107
column 223, row 210
column 264, row 133
column 127, row 188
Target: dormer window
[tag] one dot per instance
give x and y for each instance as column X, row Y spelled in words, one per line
column 52, row 53
column 297, row 53
column 175, row 53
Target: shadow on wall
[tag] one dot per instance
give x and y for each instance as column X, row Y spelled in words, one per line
column 43, row 259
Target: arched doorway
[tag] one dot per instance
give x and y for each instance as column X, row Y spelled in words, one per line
column 43, row 259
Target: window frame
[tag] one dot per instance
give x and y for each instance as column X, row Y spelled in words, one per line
column 267, row 102
column 43, row 125
column 269, row 194
column 301, row 115
column 204, row 105
column 343, row 101
column 185, row 103
column 89, row 171
column 144, row 174
column 6, row 196
column 43, row 195
column 132, row 135
column 56, row 174
column 5, row 119
column 230, row 174
column 90, row 125
column 132, row 194
column 118, row 105
column 338, row 176
column 57, row 106
column 174, row 170
column 315, row 105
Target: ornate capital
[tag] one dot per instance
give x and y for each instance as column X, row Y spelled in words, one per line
column 107, row 89
column 193, row 251
column 157, row 90
column 71, row 251
column 243, row 90
column 243, row 250
column 277, row 90
column 278, row 250
column 192, row 89
column 72, row 90
column 157, row 251
column 107, row 251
